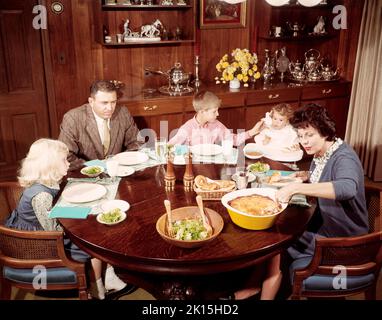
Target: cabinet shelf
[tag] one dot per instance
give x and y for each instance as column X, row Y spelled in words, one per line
column 146, row 43
column 299, row 38
column 144, row 7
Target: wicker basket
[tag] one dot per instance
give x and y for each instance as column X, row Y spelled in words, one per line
column 212, row 194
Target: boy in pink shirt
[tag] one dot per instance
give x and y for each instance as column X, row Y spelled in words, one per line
column 204, row 128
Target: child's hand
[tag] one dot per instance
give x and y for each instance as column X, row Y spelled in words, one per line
column 260, row 125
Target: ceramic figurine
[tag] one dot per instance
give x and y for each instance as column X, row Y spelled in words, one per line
column 319, row 28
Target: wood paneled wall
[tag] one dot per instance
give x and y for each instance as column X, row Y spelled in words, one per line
column 77, row 59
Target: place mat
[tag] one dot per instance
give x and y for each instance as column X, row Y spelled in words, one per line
column 282, row 172
column 69, row 212
column 111, row 187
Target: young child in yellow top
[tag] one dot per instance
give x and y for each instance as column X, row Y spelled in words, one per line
column 276, row 131
column 204, row 128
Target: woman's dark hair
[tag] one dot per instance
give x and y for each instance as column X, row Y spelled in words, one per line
column 316, row 116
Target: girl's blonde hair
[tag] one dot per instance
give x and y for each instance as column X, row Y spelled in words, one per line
column 205, row 100
column 284, row 109
column 42, row 162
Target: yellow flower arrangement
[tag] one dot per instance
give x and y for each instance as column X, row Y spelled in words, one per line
column 242, row 65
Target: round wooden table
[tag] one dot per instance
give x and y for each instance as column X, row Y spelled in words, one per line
column 169, row 272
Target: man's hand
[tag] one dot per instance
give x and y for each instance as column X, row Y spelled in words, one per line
column 303, row 175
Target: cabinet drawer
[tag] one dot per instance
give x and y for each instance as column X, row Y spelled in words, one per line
column 273, row 96
column 326, row 90
column 155, row 107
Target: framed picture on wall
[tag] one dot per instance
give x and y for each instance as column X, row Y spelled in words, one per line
column 216, row 14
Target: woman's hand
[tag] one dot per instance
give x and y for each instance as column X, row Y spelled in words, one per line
column 303, row 175
column 260, row 125
column 284, row 194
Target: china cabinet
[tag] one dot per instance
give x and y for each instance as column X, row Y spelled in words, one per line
column 177, row 23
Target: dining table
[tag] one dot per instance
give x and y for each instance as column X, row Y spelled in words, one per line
column 141, row 257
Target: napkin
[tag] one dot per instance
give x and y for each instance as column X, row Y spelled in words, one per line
column 96, row 163
column 299, row 200
column 69, row 212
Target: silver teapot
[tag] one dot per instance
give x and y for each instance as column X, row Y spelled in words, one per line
column 312, row 60
column 328, row 73
column 314, row 75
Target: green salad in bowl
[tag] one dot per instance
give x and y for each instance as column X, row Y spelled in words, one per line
column 189, row 229
column 92, row 171
column 111, row 217
column 258, row 167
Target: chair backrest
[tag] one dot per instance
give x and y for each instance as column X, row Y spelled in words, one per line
column 374, row 207
column 360, row 255
column 25, row 249
column 10, row 193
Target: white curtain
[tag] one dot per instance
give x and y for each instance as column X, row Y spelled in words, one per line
column 364, row 126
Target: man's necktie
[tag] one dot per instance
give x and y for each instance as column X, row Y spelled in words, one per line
column 106, row 137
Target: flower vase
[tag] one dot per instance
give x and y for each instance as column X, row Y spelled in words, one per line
column 234, row 84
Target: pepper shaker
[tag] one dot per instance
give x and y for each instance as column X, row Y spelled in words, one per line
column 188, row 177
column 170, row 177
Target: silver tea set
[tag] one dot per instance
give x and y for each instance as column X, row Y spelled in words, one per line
column 313, row 69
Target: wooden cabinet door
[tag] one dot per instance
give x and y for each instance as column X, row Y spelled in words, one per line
column 338, row 109
column 23, row 103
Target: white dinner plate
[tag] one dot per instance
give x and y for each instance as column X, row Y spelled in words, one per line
column 206, row 149
column 280, row 155
column 124, row 171
column 113, row 204
column 130, row 158
column 253, row 147
column 84, row 192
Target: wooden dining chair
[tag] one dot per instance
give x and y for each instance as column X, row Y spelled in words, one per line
column 35, row 260
column 360, row 257
column 10, row 193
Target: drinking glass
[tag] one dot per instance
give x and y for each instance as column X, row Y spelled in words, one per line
column 112, row 168
column 227, row 145
column 161, row 149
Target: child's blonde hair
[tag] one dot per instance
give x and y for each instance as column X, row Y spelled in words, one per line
column 284, row 109
column 42, row 162
column 205, row 100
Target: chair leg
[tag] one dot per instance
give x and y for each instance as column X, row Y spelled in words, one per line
column 83, row 295
column 371, row 294
column 6, row 290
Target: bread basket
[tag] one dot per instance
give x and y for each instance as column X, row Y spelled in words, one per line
column 214, row 194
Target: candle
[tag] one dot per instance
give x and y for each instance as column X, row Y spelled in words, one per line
column 197, row 43
column 254, row 40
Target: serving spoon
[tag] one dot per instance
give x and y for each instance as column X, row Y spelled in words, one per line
column 170, row 230
column 199, row 201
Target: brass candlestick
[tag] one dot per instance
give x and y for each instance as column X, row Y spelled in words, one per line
column 188, row 178
column 170, row 177
column 197, row 82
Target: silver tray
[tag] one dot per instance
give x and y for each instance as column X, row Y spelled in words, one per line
column 313, row 81
column 167, row 90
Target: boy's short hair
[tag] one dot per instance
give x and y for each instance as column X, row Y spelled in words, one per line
column 205, row 100
column 284, row 109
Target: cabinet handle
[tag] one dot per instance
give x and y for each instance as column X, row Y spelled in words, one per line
column 324, row 91
column 150, row 108
column 271, row 96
